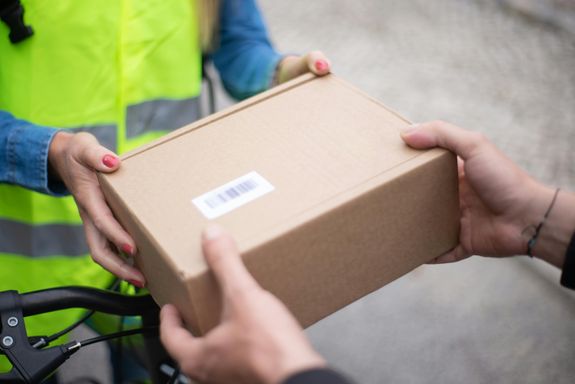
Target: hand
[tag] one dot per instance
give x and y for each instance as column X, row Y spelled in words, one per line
column 500, row 203
column 291, row 67
column 257, row 340
column 75, row 159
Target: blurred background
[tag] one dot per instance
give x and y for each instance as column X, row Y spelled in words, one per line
column 502, row 67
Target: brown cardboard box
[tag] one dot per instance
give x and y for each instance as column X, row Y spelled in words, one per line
column 340, row 206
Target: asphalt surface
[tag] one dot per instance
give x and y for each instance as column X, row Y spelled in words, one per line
column 485, row 67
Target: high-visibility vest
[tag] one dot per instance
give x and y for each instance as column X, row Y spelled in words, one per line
column 127, row 71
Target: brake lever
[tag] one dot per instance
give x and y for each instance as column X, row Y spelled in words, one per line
column 29, row 365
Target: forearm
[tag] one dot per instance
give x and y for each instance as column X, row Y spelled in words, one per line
column 245, row 59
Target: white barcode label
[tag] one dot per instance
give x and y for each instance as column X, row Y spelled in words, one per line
column 232, row 195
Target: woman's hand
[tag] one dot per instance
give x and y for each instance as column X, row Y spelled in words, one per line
column 500, row 204
column 291, row 67
column 75, row 159
column 257, row 340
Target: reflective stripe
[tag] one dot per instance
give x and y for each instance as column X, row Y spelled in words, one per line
column 107, row 134
column 42, row 240
column 161, row 115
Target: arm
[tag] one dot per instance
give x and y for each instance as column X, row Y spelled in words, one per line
column 54, row 162
column 257, row 340
column 501, row 205
column 245, row 58
column 24, row 155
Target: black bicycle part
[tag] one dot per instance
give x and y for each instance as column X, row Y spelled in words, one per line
column 12, row 14
column 31, row 365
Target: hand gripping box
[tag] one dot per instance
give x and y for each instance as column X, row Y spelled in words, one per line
column 326, row 202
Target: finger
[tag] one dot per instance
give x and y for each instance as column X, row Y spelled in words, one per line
column 440, row 134
column 224, row 260
column 94, row 155
column 179, row 343
column 109, row 260
column 318, row 63
column 90, row 198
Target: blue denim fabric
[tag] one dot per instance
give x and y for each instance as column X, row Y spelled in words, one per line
column 245, row 58
column 24, row 155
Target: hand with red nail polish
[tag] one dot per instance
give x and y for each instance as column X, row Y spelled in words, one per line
column 292, row 66
column 75, row 159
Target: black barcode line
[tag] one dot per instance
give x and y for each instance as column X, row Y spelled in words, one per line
column 231, row 193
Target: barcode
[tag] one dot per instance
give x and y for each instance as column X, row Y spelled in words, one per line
column 232, row 195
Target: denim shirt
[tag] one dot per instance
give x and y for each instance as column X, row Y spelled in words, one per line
column 245, row 60
column 24, row 155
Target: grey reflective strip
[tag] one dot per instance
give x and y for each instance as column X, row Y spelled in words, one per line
column 107, row 134
column 42, row 240
column 161, row 115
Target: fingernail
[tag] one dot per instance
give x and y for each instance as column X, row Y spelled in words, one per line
column 110, row 161
column 136, row 283
column 321, row 65
column 409, row 129
column 212, row 231
column 127, row 248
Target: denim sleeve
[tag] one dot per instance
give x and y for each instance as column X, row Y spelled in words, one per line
column 24, row 155
column 245, row 58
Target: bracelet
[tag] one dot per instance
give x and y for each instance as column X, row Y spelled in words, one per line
column 533, row 239
column 568, row 274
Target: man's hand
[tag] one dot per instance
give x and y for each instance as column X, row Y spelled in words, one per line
column 257, row 340
column 75, row 159
column 291, row 67
column 500, row 203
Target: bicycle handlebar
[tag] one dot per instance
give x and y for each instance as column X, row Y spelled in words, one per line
column 55, row 299
column 30, row 364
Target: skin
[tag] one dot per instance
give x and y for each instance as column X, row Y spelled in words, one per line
column 75, row 159
column 258, row 341
column 291, row 67
column 500, row 203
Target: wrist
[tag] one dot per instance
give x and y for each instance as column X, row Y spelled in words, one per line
column 555, row 234
column 56, row 153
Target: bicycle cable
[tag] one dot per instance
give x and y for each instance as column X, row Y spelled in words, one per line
column 45, row 341
column 110, row 336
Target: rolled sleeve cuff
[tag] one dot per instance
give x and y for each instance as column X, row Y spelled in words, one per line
column 27, row 158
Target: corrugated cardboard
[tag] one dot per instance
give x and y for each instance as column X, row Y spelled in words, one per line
column 353, row 207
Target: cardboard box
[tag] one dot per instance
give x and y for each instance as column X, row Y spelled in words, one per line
column 325, row 200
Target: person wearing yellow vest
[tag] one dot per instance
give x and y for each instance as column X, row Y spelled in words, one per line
column 126, row 72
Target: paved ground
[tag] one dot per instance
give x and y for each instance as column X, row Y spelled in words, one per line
column 479, row 65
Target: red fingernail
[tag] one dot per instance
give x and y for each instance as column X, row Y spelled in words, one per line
column 127, row 248
column 110, row 161
column 321, row 65
column 136, row 283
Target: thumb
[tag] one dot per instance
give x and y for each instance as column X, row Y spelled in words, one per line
column 224, row 260
column 440, row 134
column 318, row 63
column 94, row 155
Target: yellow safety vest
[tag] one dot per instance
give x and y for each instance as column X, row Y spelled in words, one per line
column 127, row 71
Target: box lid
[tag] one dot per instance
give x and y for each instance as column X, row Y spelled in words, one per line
column 313, row 139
